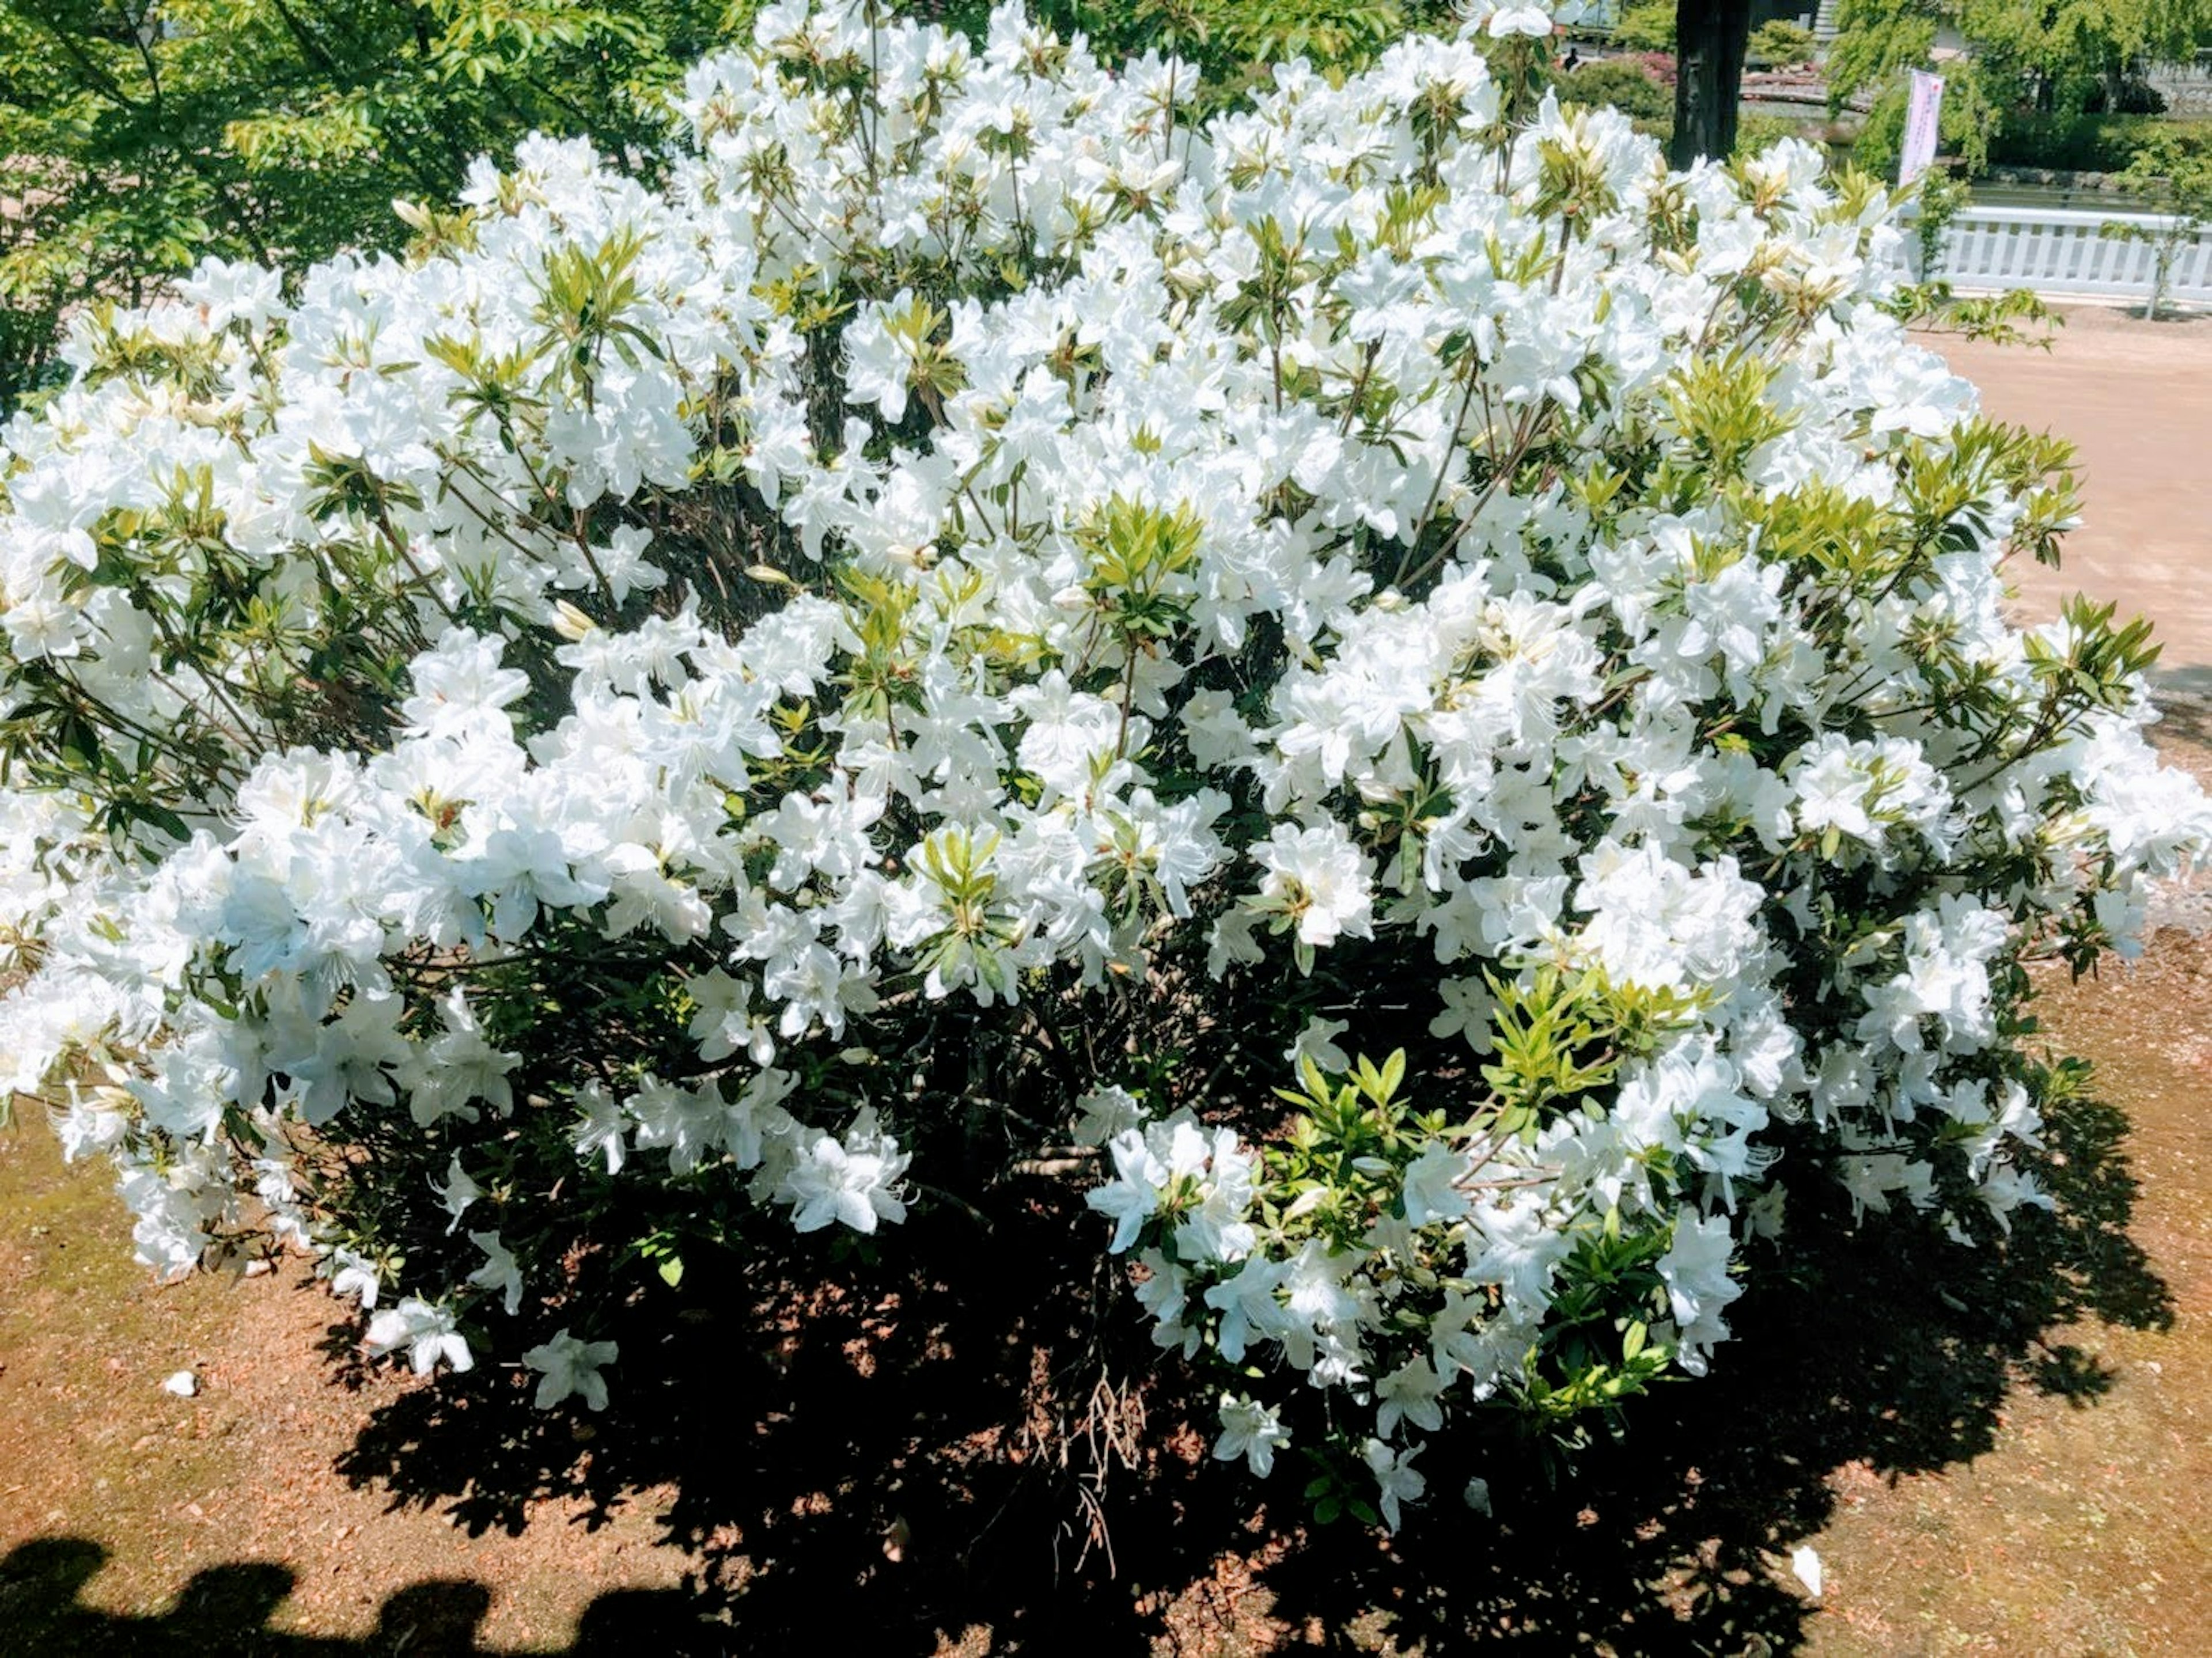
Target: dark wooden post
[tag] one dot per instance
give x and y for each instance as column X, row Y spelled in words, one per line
column 1708, row 41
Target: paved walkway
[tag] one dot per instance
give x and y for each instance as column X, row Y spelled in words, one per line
column 2136, row 397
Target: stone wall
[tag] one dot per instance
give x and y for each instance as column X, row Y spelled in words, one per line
column 2187, row 88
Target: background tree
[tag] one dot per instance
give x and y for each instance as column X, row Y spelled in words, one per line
column 1778, row 41
column 2021, row 57
column 2173, row 176
column 1648, row 26
column 1709, row 36
column 1235, row 42
column 2078, row 54
column 142, row 135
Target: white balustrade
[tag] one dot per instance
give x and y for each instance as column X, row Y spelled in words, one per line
column 2062, row 251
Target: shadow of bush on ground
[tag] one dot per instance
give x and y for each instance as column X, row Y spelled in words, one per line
column 2184, row 693
column 900, row 1460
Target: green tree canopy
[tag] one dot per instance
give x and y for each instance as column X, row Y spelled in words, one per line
column 2021, row 55
column 142, row 135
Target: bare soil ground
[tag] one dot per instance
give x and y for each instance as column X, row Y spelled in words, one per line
column 2013, row 1463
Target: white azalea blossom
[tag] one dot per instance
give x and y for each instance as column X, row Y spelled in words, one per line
column 457, row 1191
column 1397, row 1481
column 499, row 1273
column 425, row 1331
column 356, row 1277
column 569, row 1365
column 1252, row 1431
column 854, row 1179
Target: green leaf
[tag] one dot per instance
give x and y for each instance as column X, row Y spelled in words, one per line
column 1393, row 1072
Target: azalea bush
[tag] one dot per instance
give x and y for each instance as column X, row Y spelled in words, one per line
column 1416, row 704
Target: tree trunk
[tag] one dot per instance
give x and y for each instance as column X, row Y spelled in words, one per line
column 1708, row 41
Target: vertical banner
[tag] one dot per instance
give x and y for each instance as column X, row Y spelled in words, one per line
column 1920, row 126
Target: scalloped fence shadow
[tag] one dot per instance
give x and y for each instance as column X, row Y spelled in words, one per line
column 899, row 1459
column 226, row 1610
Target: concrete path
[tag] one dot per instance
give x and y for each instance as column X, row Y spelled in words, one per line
column 2136, row 397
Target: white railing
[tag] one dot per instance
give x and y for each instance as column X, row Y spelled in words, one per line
column 2062, row 252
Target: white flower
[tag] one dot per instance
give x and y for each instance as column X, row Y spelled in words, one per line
column 461, row 691
column 428, row 1334
column 1831, row 791
column 1252, row 1431
column 1396, row 1479
column 356, row 1276
column 457, row 1193
column 854, row 1180
column 1497, row 23
column 1412, row 1392
column 1317, row 1042
column 459, row 1069
column 1249, row 1305
column 1320, row 880
column 1106, row 1113
column 519, row 870
column 1467, row 1005
column 568, row 1365
column 686, row 1122
column 1699, row 1286
column 1132, row 1196
column 602, row 1126
column 1431, row 1185
column 499, row 1272
column 878, row 366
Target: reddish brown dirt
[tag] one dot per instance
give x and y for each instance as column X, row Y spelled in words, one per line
column 2081, row 1529
column 90, row 1447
